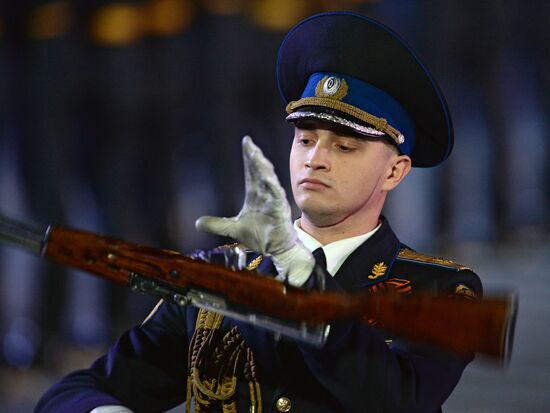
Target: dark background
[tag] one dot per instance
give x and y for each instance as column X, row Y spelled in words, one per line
column 125, row 118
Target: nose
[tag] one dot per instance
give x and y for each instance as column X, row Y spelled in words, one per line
column 319, row 158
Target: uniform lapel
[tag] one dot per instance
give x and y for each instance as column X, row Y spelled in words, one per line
column 371, row 262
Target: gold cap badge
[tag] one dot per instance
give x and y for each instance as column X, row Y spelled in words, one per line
column 331, row 87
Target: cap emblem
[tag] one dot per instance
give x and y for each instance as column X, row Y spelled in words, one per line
column 331, row 87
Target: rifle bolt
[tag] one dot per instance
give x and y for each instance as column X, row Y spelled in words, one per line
column 174, row 274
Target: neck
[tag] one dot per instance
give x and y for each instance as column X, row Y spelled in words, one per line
column 326, row 234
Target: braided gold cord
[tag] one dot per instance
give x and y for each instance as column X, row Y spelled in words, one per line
column 226, row 358
column 259, row 395
column 230, row 407
column 208, row 320
column 380, row 124
column 252, row 396
column 188, row 395
column 253, row 384
column 200, row 403
column 206, row 387
column 228, row 386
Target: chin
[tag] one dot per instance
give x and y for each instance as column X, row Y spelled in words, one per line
column 319, row 215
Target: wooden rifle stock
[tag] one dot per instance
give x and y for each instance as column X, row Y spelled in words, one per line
column 462, row 326
column 459, row 325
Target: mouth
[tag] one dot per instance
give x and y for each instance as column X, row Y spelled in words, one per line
column 312, row 183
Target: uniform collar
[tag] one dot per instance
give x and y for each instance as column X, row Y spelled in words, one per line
column 371, row 262
column 336, row 252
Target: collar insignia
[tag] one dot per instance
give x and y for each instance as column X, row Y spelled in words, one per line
column 255, row 263
column 378, row 271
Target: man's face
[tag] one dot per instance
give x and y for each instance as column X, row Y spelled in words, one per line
column 336, row 175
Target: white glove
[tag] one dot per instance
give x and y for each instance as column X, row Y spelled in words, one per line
column 112, row 409
column 264, row 223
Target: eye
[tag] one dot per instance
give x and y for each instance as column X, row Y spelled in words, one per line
column 304, row 141
column 344, row 148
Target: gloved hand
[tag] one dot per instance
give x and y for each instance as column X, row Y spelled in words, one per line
column 264, row 223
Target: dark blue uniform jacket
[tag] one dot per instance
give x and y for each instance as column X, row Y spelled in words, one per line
column 359, row 369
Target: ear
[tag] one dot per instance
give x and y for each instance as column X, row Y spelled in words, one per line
column 398, row 169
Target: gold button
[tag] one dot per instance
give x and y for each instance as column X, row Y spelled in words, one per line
column 283, row 404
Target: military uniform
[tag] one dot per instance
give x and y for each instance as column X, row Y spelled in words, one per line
column 348, row 70
column 360, row 368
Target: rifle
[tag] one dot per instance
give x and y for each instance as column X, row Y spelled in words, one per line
column 461, row 326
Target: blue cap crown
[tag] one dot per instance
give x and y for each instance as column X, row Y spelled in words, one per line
column 389, row 91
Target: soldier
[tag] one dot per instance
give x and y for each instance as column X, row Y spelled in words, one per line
column 365, row 111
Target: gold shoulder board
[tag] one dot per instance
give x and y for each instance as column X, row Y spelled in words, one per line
column 407, row 254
